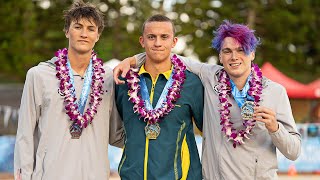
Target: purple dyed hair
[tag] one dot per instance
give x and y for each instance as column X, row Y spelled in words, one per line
column 242, row 33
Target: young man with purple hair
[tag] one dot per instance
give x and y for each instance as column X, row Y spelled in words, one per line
column 246, row 116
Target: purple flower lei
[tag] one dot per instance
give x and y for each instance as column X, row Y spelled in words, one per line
column 154, row 116
column 71, row 107
column 254, row 91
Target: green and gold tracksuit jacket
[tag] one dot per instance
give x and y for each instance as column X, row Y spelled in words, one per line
column 174, row 154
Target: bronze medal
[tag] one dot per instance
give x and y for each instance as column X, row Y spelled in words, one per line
column 152, row 131
column 75, row 131
column 247, row 110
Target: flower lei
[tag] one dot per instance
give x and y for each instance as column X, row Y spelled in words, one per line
column 254, row 91
column 71, row 107
column 153, row 116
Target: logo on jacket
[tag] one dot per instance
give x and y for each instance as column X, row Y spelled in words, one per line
column 60, row 92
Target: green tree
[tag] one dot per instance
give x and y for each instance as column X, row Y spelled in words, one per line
column 288, row 31
column 16, row 40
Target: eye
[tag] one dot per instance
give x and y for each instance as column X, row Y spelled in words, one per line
column 241, row 50
column 165, row 36
column 151, row 37
column 226, row 51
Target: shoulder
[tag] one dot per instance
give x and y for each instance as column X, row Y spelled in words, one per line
column 192, row 79
column 270, row 85
column 108, row 71
column 190, row 75
column 108, row 77
column 46, row 66
column 42, row 66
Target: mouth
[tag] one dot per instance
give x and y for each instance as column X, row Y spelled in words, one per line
column 83, row 41
column 158, row 50
column 235, row 64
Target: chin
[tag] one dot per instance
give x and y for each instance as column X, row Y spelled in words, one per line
column 84, row 50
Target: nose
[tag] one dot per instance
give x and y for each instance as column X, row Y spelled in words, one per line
column 234, row 55
column 84, row 33
column 157, row 42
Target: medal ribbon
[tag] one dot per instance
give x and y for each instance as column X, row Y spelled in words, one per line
column 145, row 94
column 241, row 96
column 85, row 88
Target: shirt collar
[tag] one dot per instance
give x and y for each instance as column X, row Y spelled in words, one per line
column 166, row 74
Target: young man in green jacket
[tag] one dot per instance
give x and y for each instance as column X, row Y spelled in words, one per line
column 157, row 105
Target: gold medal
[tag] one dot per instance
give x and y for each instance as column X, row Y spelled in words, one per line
column 247, row 110
column 75, row 131
column 152, row 131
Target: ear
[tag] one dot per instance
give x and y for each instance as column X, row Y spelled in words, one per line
column 98, row 37
column 220, row 58
column 141, row 40
column 175, row 40
column 67, row 34
column 253, row 55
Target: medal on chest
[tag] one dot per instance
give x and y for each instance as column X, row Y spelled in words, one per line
column 247, row 110
column 252, row 99
column 75, row 131
column 152, row 131
column 93, row 82
column 142, row 104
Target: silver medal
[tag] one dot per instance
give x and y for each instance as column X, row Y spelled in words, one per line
column 75, row 131
column 152, row 131
column 247, row 110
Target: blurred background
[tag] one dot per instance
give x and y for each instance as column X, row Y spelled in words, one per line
column 31, row 31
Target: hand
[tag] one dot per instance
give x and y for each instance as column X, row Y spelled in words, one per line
column 18, row 175
column 267, row 116
column 122, row 68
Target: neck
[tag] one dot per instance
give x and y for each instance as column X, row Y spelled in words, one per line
column 239, row 82
column 157, row 68
column 79, row 62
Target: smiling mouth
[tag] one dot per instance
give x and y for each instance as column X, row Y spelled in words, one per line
column 235, row 64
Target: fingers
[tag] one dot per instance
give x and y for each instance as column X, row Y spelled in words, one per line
column 116, row 73
column 266, row 116
column 125, row 70
column 18, row 175
column 122, row 69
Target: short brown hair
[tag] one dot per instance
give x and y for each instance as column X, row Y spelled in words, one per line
column 79, row 10
column 158, row 18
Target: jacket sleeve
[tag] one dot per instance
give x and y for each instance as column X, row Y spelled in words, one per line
column 192, row 65
column 140, row 59
column 197, row 104
column 24, row 153
column 286, row 138
column 116, row 129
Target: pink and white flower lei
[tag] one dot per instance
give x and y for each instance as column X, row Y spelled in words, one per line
column 254, row 91
column 154, row 115
column 65, row 87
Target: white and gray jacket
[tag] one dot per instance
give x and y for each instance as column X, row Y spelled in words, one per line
column 44, row 148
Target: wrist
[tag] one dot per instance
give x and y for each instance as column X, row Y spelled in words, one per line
column 133, row 61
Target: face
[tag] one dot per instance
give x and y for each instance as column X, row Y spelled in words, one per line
column 82, row 36
column 158, row 40
column 236, row 63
